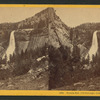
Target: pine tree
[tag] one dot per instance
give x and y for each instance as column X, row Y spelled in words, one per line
column 93, row 59
column 11, row 58
column 26, row 54
column 22, row 54
column 76, row 54
column 71, row 35
column 5, row 59
column 65, row 51
column 83, row 61
column 88, row 60
column 0, row 60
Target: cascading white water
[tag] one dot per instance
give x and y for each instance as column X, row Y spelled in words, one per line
column 11, row 47
column 94, row 47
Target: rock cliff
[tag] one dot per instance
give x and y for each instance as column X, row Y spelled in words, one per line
column 44, row 28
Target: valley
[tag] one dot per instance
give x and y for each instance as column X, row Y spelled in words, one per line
column 43, row 53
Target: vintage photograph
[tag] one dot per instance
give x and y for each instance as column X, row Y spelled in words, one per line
column 49, row 48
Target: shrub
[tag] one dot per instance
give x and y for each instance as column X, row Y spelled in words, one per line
column 4, row 74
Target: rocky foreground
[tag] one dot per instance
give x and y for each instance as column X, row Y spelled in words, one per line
column 29, row 82
column 26, row 82
column 92, row 84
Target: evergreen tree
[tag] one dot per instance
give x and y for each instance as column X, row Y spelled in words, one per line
column 55, row 67
column 22, row 54
column 88, row 60
column 83, row 61
column 71, row 35
column 65, row 51
column 0, row 60
column 76, row 54
column 26, row 54
column 5, row 60
column 14, row 57
column 93, row 59
column 11, row 58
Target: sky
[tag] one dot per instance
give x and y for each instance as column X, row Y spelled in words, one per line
column 70, row 16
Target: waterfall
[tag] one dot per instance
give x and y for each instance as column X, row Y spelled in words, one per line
column 11, row 47
column 94, row 47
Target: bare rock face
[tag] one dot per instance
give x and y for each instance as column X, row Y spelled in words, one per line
column 44, row 28
column 22, row 38
column 58, row 34
column 1, row 51
column 83, row 50
column 51, row 30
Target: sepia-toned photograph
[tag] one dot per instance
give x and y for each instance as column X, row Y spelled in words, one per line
column 49, row 48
